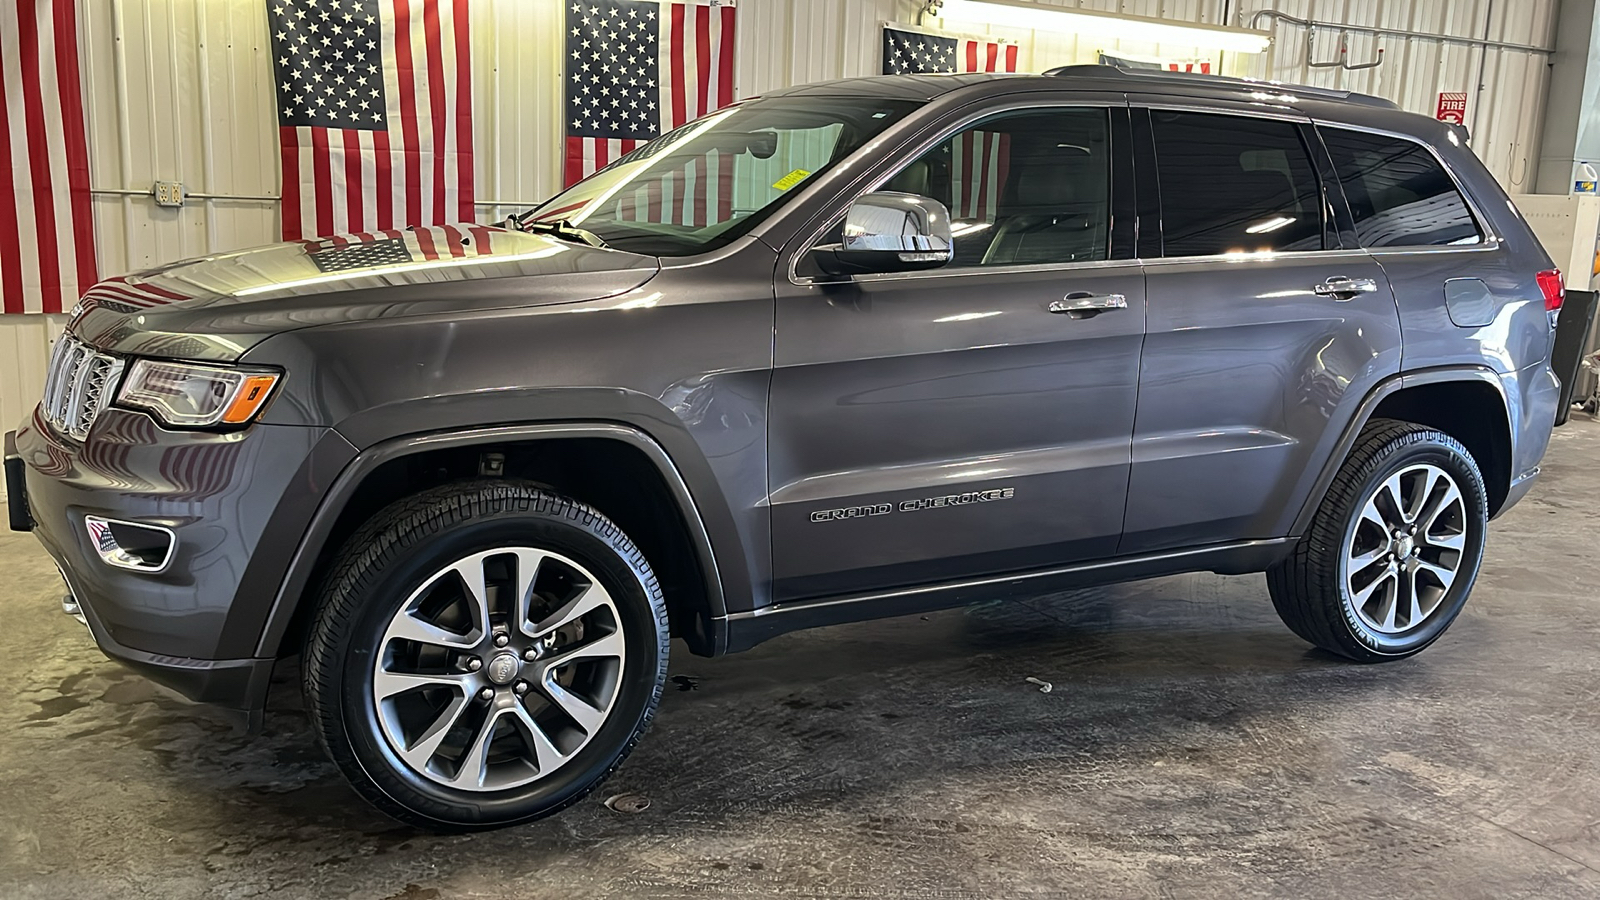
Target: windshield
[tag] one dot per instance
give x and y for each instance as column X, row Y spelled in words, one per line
column 700, row 186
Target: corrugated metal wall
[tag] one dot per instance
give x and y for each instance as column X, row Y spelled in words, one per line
column 180, row 90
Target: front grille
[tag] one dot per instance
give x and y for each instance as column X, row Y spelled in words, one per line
column 80, row 384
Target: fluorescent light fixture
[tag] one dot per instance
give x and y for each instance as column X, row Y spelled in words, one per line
column 1272, row 224
column 1015, row 14
column 962, row 229
column 968, row 317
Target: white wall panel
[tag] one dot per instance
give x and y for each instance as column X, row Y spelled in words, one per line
column 1503, row 116
column 181, row 90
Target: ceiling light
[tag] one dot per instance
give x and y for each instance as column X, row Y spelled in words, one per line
column 1016, row 14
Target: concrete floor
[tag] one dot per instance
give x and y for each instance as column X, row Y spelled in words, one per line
column 1191, row 747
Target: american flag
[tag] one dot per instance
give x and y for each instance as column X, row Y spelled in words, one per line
column 374, row 113
column 908, row 52
column 47, row 250
column 1202, row 66
column 979, row 160
column 637, row 69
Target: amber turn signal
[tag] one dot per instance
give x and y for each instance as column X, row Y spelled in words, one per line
column 250, row 398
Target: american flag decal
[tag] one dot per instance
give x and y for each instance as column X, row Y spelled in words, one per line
column 374, row 113
column 47, row 250
column 639, row 68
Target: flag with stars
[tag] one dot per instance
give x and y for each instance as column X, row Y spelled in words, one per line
column 907, row 52
column 979, row 160
column 374, row 113
column 637, row 69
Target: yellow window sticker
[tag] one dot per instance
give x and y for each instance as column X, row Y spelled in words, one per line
column 791, row 179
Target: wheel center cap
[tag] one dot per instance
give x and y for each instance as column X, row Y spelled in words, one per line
column 502, row 669
column 1403, row 547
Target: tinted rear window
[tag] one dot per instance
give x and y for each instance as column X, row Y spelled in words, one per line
column 1234, row 184
column 1399, row 194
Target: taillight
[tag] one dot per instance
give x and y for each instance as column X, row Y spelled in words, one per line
column 1550, row 285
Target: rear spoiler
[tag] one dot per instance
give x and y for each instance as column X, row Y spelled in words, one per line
column 1461, row 131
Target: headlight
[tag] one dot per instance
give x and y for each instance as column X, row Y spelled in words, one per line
column 188, row 396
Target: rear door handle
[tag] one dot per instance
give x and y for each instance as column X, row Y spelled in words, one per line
column 1083, row 305
column 1342, row 288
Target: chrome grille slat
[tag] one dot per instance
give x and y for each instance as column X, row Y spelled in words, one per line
column 78, row 387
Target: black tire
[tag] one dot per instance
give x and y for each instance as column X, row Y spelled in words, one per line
column 389, row 558
column 1307, row 588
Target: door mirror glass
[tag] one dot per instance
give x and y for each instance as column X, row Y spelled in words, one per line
column 889, row 231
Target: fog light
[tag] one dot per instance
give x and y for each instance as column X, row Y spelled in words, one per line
column 131, row 545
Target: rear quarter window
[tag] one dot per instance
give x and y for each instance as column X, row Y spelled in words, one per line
column 1399, row 194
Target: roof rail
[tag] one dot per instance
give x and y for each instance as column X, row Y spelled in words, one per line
column 1106, row 70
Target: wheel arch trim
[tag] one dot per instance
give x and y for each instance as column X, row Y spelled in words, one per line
column 1369, row 405
column 296, row 580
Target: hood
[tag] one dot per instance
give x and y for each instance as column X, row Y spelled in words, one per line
column 218, row 307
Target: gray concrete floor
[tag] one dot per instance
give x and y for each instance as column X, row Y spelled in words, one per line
column 1191, row 747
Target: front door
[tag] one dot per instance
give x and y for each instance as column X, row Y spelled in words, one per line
column 1260, row 323
column 931, row 426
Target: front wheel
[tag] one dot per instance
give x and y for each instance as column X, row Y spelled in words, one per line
column 484, row 653
column 1393, row 550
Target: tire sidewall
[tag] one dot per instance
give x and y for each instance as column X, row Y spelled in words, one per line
column 418, row 559
column 1417, row 449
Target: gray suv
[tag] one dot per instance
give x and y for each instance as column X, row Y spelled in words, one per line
column 844, row 351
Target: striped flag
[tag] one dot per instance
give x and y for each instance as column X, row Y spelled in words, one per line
column 374, row 113
column 978, row 160
column 47, row 250
column 637, row 69
column 907, row 52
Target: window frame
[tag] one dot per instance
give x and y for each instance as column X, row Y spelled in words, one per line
column 1121, row 251
column 1333, row 211
column 1489, row 239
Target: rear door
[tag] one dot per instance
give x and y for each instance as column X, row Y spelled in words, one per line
column 1259, row 324
column 934, row 425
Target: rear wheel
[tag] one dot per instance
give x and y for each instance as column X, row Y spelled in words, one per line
column 1393, row 550
column 485, row 653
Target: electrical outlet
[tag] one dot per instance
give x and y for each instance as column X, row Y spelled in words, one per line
column 168, row 193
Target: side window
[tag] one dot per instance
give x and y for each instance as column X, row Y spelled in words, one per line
column 1399, row 194
column 1022, row 188
column 1234, row 184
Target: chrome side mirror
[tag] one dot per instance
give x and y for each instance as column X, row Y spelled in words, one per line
column 888, row 231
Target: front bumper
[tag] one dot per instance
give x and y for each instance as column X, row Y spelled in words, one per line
column 232, row 683
column 236, row 505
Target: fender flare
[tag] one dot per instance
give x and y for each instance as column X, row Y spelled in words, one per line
column 1363, row 414
column 297, row 579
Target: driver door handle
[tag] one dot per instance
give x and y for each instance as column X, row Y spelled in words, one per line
column 1341, row 288
column 1084, row 305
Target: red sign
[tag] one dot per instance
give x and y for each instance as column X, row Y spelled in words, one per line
column 1452, row 107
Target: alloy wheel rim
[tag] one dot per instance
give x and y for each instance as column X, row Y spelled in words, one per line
column 1405, row 550
column 498, row 669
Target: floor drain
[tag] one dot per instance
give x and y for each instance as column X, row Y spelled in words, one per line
column 628, row 803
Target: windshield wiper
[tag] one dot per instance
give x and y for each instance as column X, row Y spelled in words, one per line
column 565, row 230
